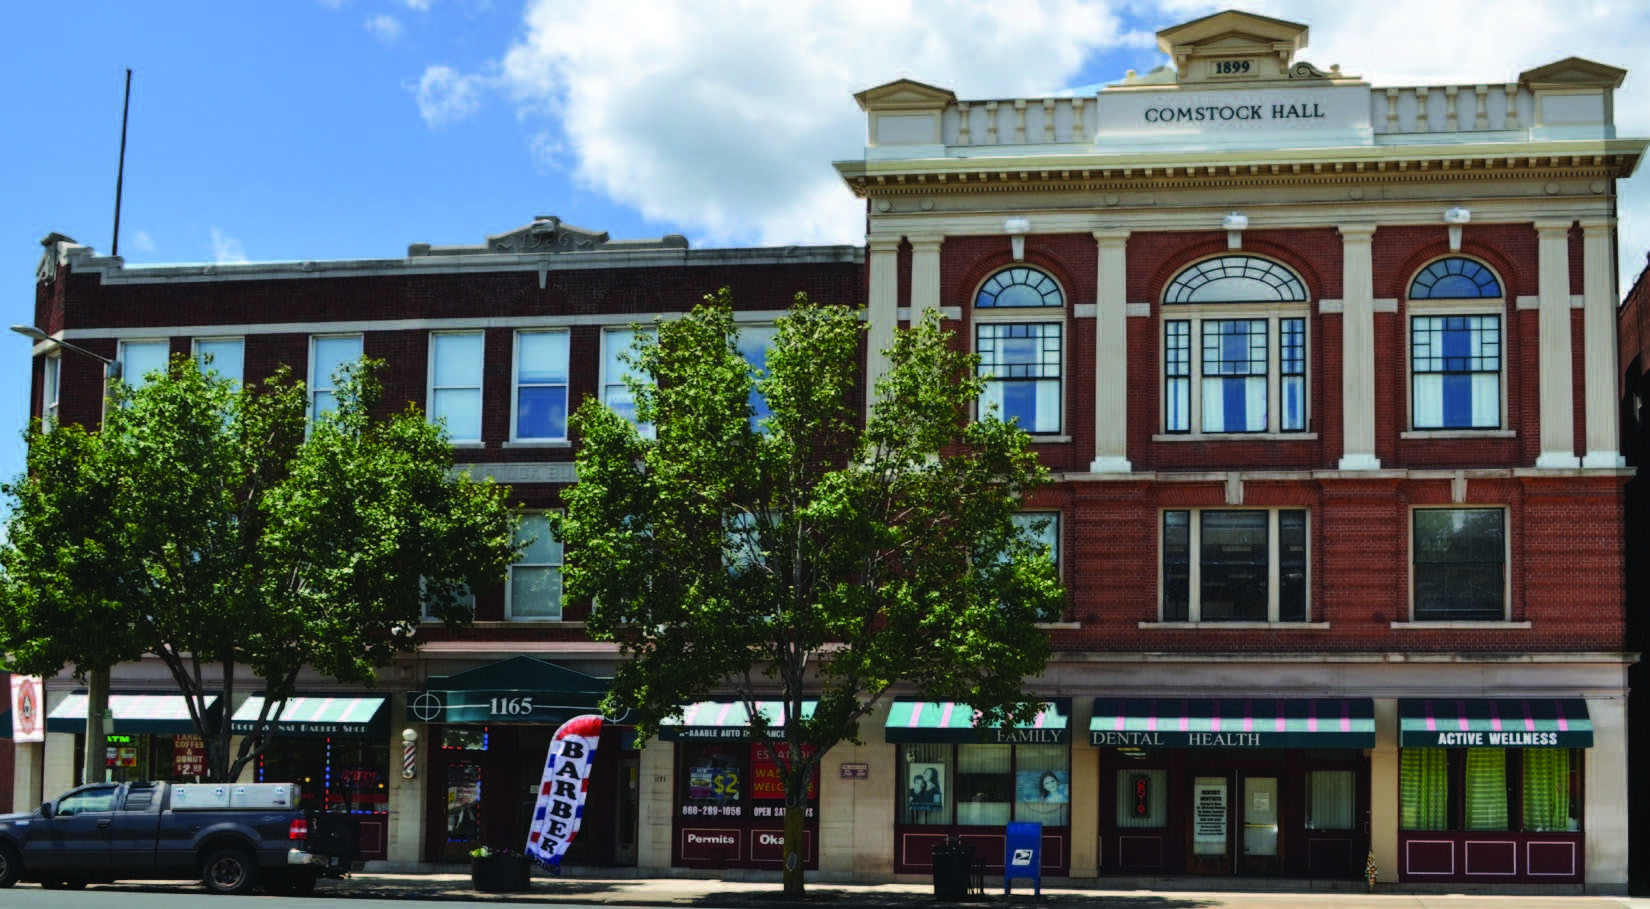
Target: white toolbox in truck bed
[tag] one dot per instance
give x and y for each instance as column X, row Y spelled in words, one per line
column 219, row 796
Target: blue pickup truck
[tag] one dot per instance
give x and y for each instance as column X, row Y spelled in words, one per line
column 233, row 837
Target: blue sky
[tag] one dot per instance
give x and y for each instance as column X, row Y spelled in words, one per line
column 327, row 129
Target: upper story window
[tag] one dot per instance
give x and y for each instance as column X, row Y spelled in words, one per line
column 1459, row 563
column 51, row 382
column 754, row 343
column 456, row 360
column 1455, row 347
column 541, row 386
column 1234, row 565
column 327, row 355
column 224, row 356
column 534, row 591
column 1235, row 348
column 616, row 342
column 1019, row 331
column 140, row 359
column 1041, row 527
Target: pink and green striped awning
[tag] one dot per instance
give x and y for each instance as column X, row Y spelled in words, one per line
column 954, row 721
column 317, row 716
column 725, row 720
column 136, row 714
column 1233, row 723
column 1494, row 723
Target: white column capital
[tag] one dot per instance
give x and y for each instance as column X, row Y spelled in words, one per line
column 1355, row 233
column 926, row 242
column 1111, row 236
column 1591, row 225
column 883, row 243
column 1548, row 228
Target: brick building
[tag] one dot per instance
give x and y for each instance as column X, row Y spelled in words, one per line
column 1326, row 373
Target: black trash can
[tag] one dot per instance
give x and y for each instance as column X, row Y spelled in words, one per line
column 953, row 867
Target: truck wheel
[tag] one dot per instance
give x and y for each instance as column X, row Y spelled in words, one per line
column 11, row 866
column 229, row 871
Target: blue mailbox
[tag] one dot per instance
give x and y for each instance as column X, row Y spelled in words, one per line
column 1023, row 855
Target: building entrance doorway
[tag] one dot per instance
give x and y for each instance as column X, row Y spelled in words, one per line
column 1233, row 826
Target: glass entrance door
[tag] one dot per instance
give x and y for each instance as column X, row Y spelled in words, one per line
column 1261, row 854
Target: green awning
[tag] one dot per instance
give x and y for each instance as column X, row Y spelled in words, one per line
column 136, row 714
column 1494, row 723
column 725, row 720
column 317, row 716
column 1233, row 723
column 522, row 689
column 953, row 721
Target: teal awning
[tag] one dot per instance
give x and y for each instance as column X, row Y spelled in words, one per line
column 521, row 689
column 953, row 721
column 1494, row 723
column 135, row 714
column 725, row 720
column 317, row 716
column 1233, row 723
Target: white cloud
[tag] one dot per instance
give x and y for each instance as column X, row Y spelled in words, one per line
column 384, row 27
column 446, row 96
column 721, row 117
column 332, row 4
column 226, row 249
column 142, row 242
column 420, row 5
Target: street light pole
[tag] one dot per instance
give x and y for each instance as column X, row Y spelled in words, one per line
column 95, row 755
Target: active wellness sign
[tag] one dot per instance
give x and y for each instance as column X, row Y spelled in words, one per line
column 1340, row 113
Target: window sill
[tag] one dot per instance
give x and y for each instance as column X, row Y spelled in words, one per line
column 537, row 443
column 1237, row 626
column 469, row 444
column 1235, row 436
column 1060, row 626
column 1047, row 440
column 495, row 624
column 1459, row 434
column 1423, row 624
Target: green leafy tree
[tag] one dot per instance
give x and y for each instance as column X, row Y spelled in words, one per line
column 213, row 526
column 814, row 554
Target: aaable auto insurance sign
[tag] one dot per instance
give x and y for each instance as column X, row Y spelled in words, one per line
column 1236, row 116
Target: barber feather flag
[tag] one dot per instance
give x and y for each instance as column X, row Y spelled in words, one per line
column 561, row 793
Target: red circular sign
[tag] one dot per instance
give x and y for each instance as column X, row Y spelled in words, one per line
column 27, row 706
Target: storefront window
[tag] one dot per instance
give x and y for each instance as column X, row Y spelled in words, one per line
column 1423, row 789
column 1142, row 798
column 1551, row 787
column 334, row 774
column 734, row 780
column 990, row 786
column 1484, row 789
column 1329, row 800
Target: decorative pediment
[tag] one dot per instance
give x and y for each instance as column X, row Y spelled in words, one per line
column 1232, row 45
column 905, row 94
column 1573, row 72
column 547, row 234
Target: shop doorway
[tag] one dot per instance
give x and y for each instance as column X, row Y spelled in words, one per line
column 1260, row 838
column 1239, row 835
column 629, row 792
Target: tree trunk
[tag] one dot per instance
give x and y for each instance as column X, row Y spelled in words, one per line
column 796, row 814
column 95, row 759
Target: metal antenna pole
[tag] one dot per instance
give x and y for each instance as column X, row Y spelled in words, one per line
column 120, row 175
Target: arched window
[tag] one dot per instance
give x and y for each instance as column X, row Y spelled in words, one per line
column 1234, row 348
column 1021, row 349
column 1455, row 350
column 1455, row 278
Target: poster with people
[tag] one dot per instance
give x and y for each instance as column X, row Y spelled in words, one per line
column 1050, row 787
column 927, row 792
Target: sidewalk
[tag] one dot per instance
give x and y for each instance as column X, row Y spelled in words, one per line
column 591, row 888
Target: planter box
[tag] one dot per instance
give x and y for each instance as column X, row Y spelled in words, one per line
column 501, row 874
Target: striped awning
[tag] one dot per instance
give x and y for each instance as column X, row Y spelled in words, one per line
column 317, row 716
column 1233, row 723
column 724, row 719
column 137, row 714
column 1494, row 723
column 953, row 721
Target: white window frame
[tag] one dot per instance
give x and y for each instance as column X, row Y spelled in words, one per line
column 607, row 383
column 1425, row 309
column 477, row 388
column 1273, row 314
column 771, row 331
column 239, row 374
column 510, row 580
column 1194, row 576
column 1506, row 566
column 516, row 385
column 315, row 385
column 131, row 377
column 1024, row 519
column 1026, row 315
column 51, row 385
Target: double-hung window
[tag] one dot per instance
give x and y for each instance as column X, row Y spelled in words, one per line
column 224, row 356
column 1459, row 560
column 616, row 344
column 141, row 359
column 1042, row 528
column 541, row 387
column 327, row 355
column 1234, row 565
column 1234, row 348
column 535, row 578
column 52, row 367
column 1455, row 307
column 456, row 360
column 754, row 342
column 1019, row 334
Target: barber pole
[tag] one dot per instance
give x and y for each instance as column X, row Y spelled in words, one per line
column 562, row 790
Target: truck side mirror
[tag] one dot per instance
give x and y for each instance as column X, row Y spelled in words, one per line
column 46, row 810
